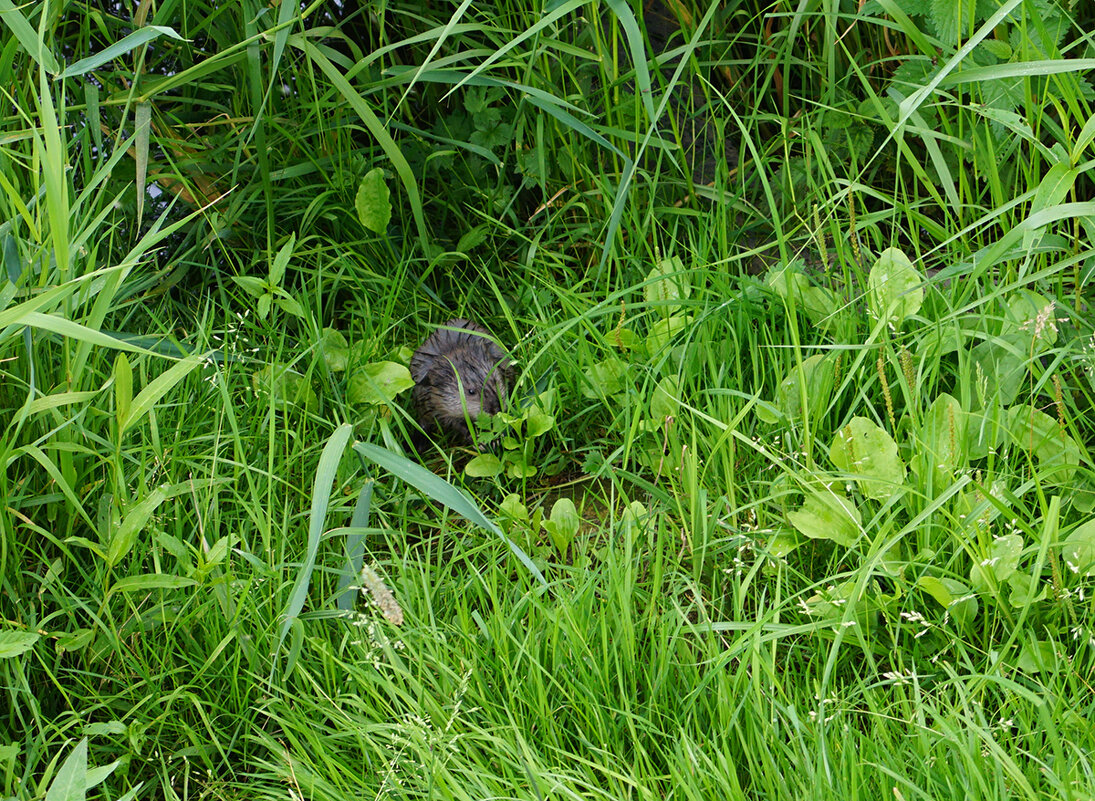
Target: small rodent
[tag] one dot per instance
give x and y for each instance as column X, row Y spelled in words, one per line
column 460, row 355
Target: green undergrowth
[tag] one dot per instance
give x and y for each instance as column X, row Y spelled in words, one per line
column 793, row 495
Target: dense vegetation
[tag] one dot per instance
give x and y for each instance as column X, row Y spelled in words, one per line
column 795, row 496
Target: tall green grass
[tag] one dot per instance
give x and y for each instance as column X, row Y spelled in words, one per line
column 799, row 499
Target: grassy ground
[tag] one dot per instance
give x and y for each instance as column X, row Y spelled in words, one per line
column 795, row 499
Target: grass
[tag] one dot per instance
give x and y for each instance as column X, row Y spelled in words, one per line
column 797, row 499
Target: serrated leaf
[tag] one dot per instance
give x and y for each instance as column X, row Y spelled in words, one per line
column 379, row 383
column 373, row 202
column 895, row 287
column 828, row 516
column 952, row 18
column 869, row 454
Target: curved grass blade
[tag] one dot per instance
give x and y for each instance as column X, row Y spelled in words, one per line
column 443, row 492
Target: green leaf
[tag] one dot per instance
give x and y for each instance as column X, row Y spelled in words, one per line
column 940, row 446
column 146, row 582
column 160, row 386
column 473, row 239
column 123, row 389
column 336, row 353
column 952, row 595
column 1037, row 656
column 70, row 783
column 667, row 284
column 999, row 368
column 26, row 35
column 818, row 375
column 1079, row 549
column 605, row 378
column 562, row 524
column 281, row 261
column 1031, row 316
column 435, row 487
column 139, row 37
column 826, row 515
column 289, row 305
column 1025, row 590
column 15, row 643
column 1000, row 563
column 952, row 18
column 1058, row 454
column 252, row 285
column 373, row 201
column 379, row 383
column 264, row 304
column 538, row 422
column 125, row 536
column 870, row 455
column 663, row 332
column 284, row 386
column 665, row 402
column 895, row 287
column 485, row 465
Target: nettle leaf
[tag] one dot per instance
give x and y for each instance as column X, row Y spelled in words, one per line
column 667, row 284
column 378, row 384
column 952, row 595
column 605, row 378
column 1057, row 452
column 1079, row 550
column 1000, row 563
column 866, row 451
column 896, row 287
column 827, row 515
column 373, row 201
column 952, row 18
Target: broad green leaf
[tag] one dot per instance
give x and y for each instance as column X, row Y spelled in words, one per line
column 336, row 353
column 663, row 332
column 136, row 518
column 373, row 201
column 1053, row 189
column 818, row 375
column 1000, row 563
column 289, row 305
column 70, row 783
column 1078, row 550
column 73, row 641
column 870, row 455
column 1058, row 454
column 665, row 401
column 827, row 515
column 940, row 447
column 605, row 378
column 485, row 465
column 1031, row 316
column 999, row 368
column 667, row 284
column 379, row 383
column 562, row 524
column 473, row 239
column 284, row 386
column 895, row 287
column 538, row 422
column 952, row 595
column 1025, row 590
column 281, row 261
column 123, row 388
column 1037, row 656
column 252, row 285
column 15, row 643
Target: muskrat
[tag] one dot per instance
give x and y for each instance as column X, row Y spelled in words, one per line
column 459, row 373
